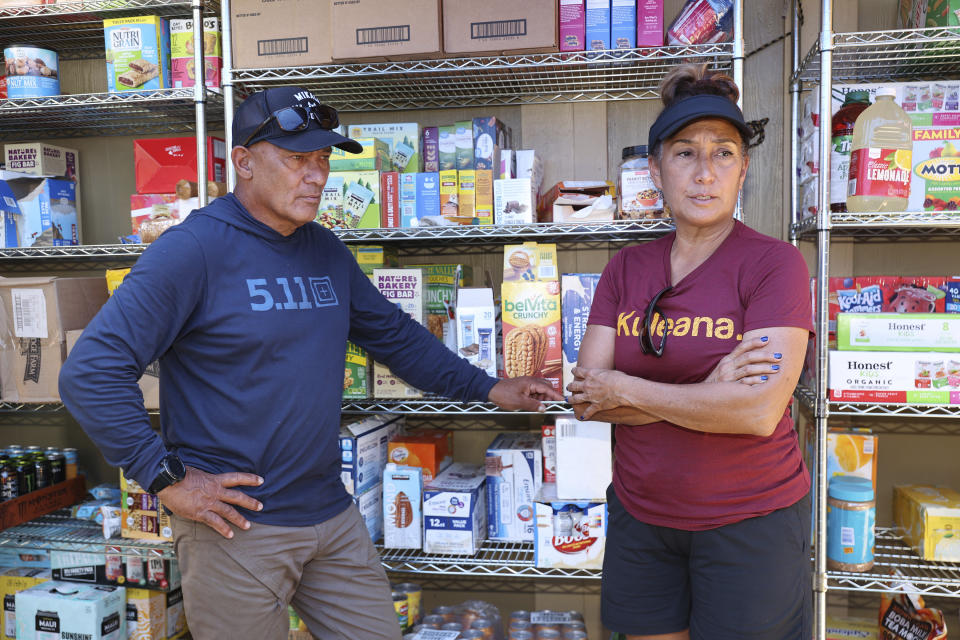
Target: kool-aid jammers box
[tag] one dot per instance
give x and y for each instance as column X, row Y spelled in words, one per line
column 886, row 294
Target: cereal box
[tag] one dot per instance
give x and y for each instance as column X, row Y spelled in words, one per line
column 484, row 204
column 570, row 534
column 431, row 149
column 928, row 517
column 463, row 139
column 68, row 610
column 623, row 24
column 138, row 53
column 356, row 373
column 427, row 449
column 182, row 71
column 402, row 508
column 143, row 515
column 449, row 198
column 898, row 332
column 650, row 23
column 363, row 451
column 895, row 377
column 375, row 156
column 441, row 282
column 476, row 328
column 42, row 159
column 12, row 580
column 489, row 137
column 530, row 262
column 598, row 25
column 514, row 466
column 403, row 138
column 531, row 330
column 572, row 25
column 404, row 287
column 350, row 200
column 454, row 512
column 448, row 148
column 408, row 201
column 466, row 196
column 577, row 290
column 374, row 256
column 428, row 195
column 9, row 215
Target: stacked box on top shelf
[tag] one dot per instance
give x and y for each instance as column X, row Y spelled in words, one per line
column 182, row 71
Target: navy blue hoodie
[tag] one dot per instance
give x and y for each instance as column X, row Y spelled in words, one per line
column 250, row 328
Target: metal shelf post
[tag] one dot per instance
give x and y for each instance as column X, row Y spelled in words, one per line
column 199, row 101
column 226, row 80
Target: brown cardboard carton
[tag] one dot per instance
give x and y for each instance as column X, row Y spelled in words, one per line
column 280, row 33
column 364, row 29
column 495, row 26
column 35, row 314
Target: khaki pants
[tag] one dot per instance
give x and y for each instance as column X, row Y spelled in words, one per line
column 240, row 588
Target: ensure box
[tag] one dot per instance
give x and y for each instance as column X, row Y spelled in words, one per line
column 577, row 291
column 48, row 210
column 623, row 24
column 402, row 509
column 138, row 53
column 598, row 25
column 370, row 505
column 67, row 610
column 514, row 465
column 572, row 25
column 403, row 138
column 476, row 328
column 570, row 534
column 898, row 332
column 895, row 377
column 363, row 452
column 454, row 513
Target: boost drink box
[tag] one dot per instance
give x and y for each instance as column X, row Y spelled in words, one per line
column 577, row 290
column 356, row 373
column 138, row 53
column 182, row 71
column 12, row 580
column 573, row 25
column 403, row 138
column 928, row 518
column 514, row 466
column 363, row 451
column 375, row 156
column 598, row 25
column 476, row 328
column 454, row 514
column 402, row 509
column 584, row 458
column 403, row 287
column 895, row 377
column 155, row 615
column 351, row 200
column 898, row 332
column 427, row 449
column 531, row 330
column 144, row 517
column 370, row 504
column 569, row 534
column 69, row 610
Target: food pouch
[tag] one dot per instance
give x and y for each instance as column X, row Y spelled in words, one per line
column 903, row 617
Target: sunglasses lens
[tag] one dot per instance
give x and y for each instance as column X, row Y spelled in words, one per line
column 292, row 119
column 328, row 117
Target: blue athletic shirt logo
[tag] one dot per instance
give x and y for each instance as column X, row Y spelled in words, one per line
column 282, row 296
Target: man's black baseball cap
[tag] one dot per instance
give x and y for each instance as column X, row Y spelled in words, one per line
column 261, row 105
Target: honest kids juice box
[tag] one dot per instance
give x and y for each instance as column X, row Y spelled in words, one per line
column 531, row 330
column 138, row 53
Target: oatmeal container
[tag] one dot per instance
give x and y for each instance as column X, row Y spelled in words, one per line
column 639, row 196
column 851, row 515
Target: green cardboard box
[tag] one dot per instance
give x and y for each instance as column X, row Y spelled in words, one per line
column 403, row 138
column 374, row 157
column 351, row 200
column 356, row 373
column 898, row 332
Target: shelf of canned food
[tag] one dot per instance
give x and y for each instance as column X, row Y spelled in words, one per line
column 872, row 56
column 75, row 29
column 807, row 398
column 539, row 78
column 59, row 532
column 885, row 225
column 493, row 559
column 929, row 578
column 104, row 114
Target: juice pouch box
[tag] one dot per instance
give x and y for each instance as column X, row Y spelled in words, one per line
column 918, row 294
column 928, row 517
column 531, row 330
column 852, row 452
column 138, row 53
column 427, row 449
column 514, row 467
column 403, row 138
column 858, row 295
column 896, row 332
column 402, row 508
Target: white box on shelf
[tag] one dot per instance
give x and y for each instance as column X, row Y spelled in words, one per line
column 370, row 504
column 477, row 329
column 363, row 451
column 584, row 459
column 454, row 512
column 402, row 507
column 514, row 465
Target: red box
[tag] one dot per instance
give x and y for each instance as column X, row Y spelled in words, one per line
column 3, row 87
column 160, row 163
column 390, row 199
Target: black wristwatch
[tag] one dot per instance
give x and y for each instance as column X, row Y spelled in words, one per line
column 172, row 471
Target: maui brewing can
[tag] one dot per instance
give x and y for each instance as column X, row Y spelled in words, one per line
column 47, row 625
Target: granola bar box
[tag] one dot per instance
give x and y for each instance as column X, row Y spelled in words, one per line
column 138, row 53
column 531, row 330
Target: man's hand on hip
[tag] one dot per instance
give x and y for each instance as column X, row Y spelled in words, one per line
column 206, row 498
column 523, row 394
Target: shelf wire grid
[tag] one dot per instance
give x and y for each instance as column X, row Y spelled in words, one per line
column 75, row 29
column 491, row 80
column 880, row 225
column 807, row 398
column 59, row 532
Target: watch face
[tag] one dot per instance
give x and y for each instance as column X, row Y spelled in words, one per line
column 175, row 466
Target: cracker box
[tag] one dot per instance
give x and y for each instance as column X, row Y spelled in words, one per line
column 427, row 449
column 584, row 458
column 69, row 610
column 463, row 139
column 623, row 24
column 143, row 515
column 42, row 159
column 138, row 53
column 390, row 199
column 375, row 156
column 466, row 196
column 155, row 615
column 952, row 300
column 404, row 287
column 356, row 373
column 895, row 377
column 573, row 15
column 928, row 517
column 548, row 444
column 454, row 511
column 476, row 329
column 577, row 290
column 350, row 200
column 10, row 215
column 48, row 212
column 447, row 145
column 649, row 23
column 441, row 282
column 514, row 202
column 182, row 64
column 370, row 504
column 403, row 138
column 430, row 150
column 483, row 213
column 852, row 452
column 598, row 25
column 531, row 330
column 570, row 534
column 402, row 507
column 363, row 451
column 374, row 256
column 530, row 262
column 514, row 467
column 898, row 332
column 449, row 202
column 12, row 580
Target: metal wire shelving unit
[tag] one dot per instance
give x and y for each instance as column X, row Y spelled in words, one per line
column 937, row 419
column 440, row 406
column 59, row 532
column 885, row 226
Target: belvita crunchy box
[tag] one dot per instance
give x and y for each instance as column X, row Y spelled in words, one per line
column 531, row 330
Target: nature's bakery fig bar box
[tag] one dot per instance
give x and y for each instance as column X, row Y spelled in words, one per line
column 364, row 29
column 531, row 330
column 403, row 287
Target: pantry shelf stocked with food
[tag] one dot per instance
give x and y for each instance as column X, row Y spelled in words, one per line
column 60, row 532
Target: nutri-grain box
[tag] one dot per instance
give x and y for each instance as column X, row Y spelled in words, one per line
column 403, row 287
column 531, row 330
column 138, row 53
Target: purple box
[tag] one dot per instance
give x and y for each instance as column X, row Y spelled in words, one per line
column 573, row 25
column 649, row 23
column 953, row 296
column 431, row 150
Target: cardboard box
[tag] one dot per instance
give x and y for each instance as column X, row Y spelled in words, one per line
column 160, row 163
column 402, row 508
column 929, row 13
column 449, row 200
column 514, row 468
column 584, row 459
column 42, row 159
column 115, row 566
column 531, row 330
column 649, row 23
column 408, row 200
column 569, row 534
column 375, row 156
column 578, row 201
column 598, row 25
column 441, row 282
column 150, row 380
column 895, row 377
column 138, row 53
column 182, row 71
column 454, row 513
column 48, row 212
column 402, row 137
column 476, row 328
column 152, row 206
column 489, row 137
column 403, row 287
column 499, row 26
column 428, row 195
column 350, row 200
column 143, row 515
column 155, row 615
column 430, row 151
column 514, row 202
column 10, row 215
column 37, row 313
column 623, row 24
column 898, row 332
column 356, row 373
column 928, row 518
column 529, row 165
column 577, row 290
column 573, row 25
column 448, row 147
column 362, row 29
column 484, row 188
column 842, row 628
column 374, row 256
column 427, row 449
column 280, row 33
column 466, row 196
column 12, row 580
column 530, row 262
column 885, row 294
column 390, row 200
column 70, row 610
column 463, row 138
column 370, row 505
column 952, row 300
column 363, row 451
column 549, row 447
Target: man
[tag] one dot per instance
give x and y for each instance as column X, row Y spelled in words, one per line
column 248, row 306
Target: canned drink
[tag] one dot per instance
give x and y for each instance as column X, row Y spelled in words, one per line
column 26, row 475
column 521, row 635
column 414, row 595
column 433, row 621
column 400, row 606
column 520, row 615
column 574, row 634
column 135, row 570
column 32, row 449
column 156, row 573
column 451, row 626
column 114, row 564
column 58, row 465
column 473, row 634
column 548, row 634
column 449, row 614
column 9, row 489
column 521, row 625
column 484, row 626
column 42, row 469
column 70, row 457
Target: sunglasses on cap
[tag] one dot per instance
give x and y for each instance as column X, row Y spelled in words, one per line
column 293, row 119
column 647, row 345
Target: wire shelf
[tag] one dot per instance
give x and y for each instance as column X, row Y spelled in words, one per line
column 75, row 29
column 440, row 406
column 23, row 407
column 895, row 55
column 494, row 559
column 61, row 533
column 884, row 225
column 890, row 553
column 491, row 80
column 807, row 398
column 104, row 114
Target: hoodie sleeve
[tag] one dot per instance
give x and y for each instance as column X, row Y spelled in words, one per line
column 413, row 353
column 143, row 318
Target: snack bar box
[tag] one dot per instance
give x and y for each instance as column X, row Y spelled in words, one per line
column 363, row 451
column 142, row 513
column 569, row 534
column 69, row 610
column 159, row 163
column 454, row 512
column 928, row 517
column 895, row 377
column 138, row 53
column 514, row 466
column 898, row 332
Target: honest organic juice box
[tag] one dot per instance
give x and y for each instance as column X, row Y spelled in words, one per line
column 531, row 330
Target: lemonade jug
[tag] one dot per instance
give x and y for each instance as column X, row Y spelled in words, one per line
column 881, row 157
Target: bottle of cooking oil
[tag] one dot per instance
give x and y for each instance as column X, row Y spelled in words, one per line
column 881, row 157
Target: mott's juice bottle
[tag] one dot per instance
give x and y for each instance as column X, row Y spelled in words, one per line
column 842, row 139
column 881, row 157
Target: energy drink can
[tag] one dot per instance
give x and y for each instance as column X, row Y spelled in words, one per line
column 58, row 465
column 400, row 606
column 26, row 475
column 42, row 470
column 9, row 488
column 414, row 595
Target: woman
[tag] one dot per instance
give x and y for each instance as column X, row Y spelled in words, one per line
column 709, row 515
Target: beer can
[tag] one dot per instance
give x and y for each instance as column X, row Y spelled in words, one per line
column 9, row 489
column 414, row 599
column 70, row 455
column 156, row 574
column 400, row 606
column 42, row 470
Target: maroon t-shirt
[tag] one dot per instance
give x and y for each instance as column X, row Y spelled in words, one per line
column 668, row 475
